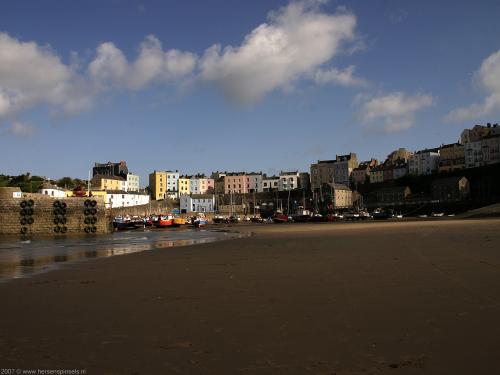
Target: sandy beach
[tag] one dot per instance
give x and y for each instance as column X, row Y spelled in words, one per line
column 358, row 298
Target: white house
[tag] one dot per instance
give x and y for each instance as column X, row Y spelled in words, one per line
column 172, row 184
column 197, row 203
column 254, row 182
column 424, row 162
column 120, row 198
column 288, row 181
column 270, row 183
column 53, row 191
column 132, row 182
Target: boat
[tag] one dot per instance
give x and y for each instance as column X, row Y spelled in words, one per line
column 380, row 214
column 165, row 221
column 199, row 221
column 124, row 223
column 335, row 217
column 219, row 219
column 178, row 221
column 280, row 217
column 363, row 215
column 351, row 215
column 234, row 219
column 437, row 214
column 318, row 218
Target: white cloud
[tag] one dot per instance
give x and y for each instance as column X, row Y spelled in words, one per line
column 343, row 77
column 391, row 112
column 33, row 75
column 488, row 78
column 30, row 75
column 110, row 67
column 296, row 41
column 21, row 129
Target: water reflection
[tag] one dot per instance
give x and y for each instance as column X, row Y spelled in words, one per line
column 27, row 257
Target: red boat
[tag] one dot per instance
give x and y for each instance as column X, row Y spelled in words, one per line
column 164, row 221
column 279, row 217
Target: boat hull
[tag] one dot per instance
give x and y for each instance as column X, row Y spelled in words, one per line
column 164, row 223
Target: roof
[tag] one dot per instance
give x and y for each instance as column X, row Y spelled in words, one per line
column 325, row 161
column 491, row 136
column 378, row 168
column 345, row 157
column 101, row 176
column 338, row 186
column 124, row 192
column 436, row 149
column 199, row 196
column 450, row 145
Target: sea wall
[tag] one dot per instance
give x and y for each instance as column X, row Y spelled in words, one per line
column 37, row 214
column 155, row 207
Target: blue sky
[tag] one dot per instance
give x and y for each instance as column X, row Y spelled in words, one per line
column 263, row 85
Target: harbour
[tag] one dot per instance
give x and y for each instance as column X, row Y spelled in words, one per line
column 28, row 257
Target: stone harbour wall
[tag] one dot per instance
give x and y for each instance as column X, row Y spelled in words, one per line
column 34, row 214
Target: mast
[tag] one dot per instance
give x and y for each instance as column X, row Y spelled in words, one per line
column 288, row 202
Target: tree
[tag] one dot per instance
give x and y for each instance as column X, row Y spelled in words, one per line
column 66, row 182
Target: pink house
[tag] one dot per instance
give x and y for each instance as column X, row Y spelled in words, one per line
column 238, row 182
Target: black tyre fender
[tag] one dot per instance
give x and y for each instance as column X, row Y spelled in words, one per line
column 56, row 204
column 23, row 212
column 93, row 220
column 24, row 221
column 24, row 230
column 63, row 220
column 93, row 211
column 86, row 212
column 63, row 205
column 57, row 229
column 87, row 230
column 56, row 220
column 93, row 229
column 23, row 204
column 87, row 203
column 93, row 203
column 64, row 229
column 31, row 202
column 30, row 220
column 87, row 220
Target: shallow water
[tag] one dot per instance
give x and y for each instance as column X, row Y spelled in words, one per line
column 21, row 258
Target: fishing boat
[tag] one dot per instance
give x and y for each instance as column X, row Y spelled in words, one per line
column 124, row 223
column 199, row 221
column 381, row 214
column 280, row 217
column 218, row 219
column 165, row 221
column 178, row 221
column 318, row 218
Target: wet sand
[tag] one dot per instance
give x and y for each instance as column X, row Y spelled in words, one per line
column 361, row 298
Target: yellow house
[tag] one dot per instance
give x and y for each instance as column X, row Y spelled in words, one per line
column 451, row 157
column 158, row 184
column 377, row 174
column 184, row 185
column 100, row 182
